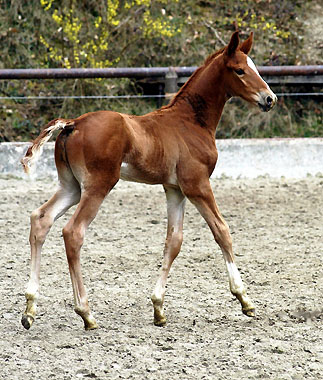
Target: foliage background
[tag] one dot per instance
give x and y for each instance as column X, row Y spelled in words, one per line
column 143, row 33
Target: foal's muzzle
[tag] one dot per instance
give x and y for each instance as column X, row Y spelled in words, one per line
column 267, row 101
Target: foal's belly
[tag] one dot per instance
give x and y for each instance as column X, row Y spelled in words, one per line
column 128, row 172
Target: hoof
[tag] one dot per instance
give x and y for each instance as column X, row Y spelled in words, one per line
column 88, row 319
column 90, row 326
column 250, row 312
column 160, row 322
column 27, row 320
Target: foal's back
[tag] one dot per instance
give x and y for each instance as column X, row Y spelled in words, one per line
column 152, row 148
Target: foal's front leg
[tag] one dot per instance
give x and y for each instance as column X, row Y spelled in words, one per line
column 204, row 201
column 175, row 215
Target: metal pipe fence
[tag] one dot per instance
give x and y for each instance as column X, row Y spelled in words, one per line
column 170, row 76
column 143, row 72
column 129, row 97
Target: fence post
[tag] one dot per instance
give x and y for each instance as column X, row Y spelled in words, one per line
column 170, row 83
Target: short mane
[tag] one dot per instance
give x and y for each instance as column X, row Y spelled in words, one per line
column 212, row 56
column 208, row 60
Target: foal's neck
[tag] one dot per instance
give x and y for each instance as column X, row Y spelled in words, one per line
column 204, row 96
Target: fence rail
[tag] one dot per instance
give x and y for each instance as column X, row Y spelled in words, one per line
column 168, row 78
column 144, row 72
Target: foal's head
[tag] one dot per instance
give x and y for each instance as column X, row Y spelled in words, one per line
column 242, row 77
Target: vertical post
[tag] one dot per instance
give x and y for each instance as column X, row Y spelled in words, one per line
column 170, row 83
column 161, row 93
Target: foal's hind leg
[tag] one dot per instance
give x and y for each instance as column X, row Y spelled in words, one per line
column 42, row 219
column 73, row 234
column 175, row 214
column 202, row 197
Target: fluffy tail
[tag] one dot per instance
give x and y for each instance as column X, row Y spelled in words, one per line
column 36, row 149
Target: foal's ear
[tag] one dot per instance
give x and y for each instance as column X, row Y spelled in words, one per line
column 233, row 44
column 246, row 45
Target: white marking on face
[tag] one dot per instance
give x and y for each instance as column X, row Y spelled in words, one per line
column 251, row 64
column 254, row 68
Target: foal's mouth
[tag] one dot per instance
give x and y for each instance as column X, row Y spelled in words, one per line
column 267, row 102
column 264, row 107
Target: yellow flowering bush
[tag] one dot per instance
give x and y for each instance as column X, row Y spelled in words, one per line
column 78, row 48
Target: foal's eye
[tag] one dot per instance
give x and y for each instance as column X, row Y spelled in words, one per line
column 239, row 71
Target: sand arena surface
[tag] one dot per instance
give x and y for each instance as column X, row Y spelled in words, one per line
column 277, row 229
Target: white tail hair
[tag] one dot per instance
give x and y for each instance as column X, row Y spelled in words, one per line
column 36, row 149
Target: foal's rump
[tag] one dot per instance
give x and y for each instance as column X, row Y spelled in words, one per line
column 91, row 142
column 94, row 147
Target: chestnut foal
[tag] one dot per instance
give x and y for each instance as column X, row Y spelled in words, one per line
column 173, row 146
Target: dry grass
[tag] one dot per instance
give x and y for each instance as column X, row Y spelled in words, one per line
column 290, row 118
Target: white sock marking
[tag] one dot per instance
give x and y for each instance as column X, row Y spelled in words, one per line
column 236, row 284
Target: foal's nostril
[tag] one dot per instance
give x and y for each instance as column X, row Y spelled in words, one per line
column 269, row 100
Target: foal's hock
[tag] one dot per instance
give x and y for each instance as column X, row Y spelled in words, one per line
column 173, row 146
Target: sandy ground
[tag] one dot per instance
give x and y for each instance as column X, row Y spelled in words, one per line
column 277, row 227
